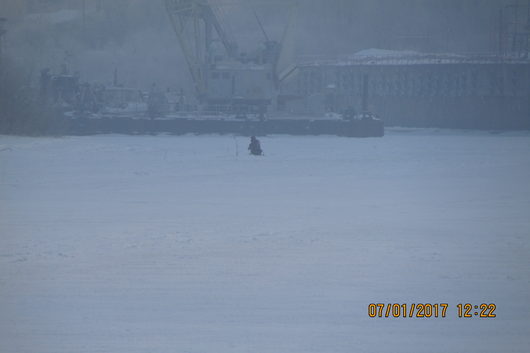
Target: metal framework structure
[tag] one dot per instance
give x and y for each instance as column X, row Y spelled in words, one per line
column 194, row 23
column 225, row 77
column 514, row 29
column 2, row 31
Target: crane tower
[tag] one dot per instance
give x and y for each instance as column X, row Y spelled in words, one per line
column 224, row 78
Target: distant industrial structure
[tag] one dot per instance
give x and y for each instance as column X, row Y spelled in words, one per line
column 236, row 92
column 514, row 29
column 225, row 78
column 420, row 90
column 2, row 31
column 406, row 88
column 403, row 88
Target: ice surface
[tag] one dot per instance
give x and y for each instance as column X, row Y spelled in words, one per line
column 188, row 244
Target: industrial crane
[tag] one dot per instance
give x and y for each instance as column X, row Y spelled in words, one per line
column 224, row 78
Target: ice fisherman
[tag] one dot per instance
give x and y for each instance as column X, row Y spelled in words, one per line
column 255, row 147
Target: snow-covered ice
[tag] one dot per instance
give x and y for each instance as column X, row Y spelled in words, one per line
column 126, row 244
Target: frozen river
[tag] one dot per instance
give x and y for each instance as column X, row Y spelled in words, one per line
column 126, row 244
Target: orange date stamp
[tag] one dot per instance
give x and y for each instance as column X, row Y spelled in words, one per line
column 428, row 310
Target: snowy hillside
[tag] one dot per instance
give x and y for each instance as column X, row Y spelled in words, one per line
column 187, row 244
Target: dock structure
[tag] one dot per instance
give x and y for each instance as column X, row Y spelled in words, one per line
column 183, row 125
column 418, row 90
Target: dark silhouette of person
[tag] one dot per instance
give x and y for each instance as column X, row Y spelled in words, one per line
column 255, row 147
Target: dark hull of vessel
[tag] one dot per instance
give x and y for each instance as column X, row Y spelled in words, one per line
column 180, row 126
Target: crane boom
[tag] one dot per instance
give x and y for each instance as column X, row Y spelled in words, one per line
column 223, row 79
column 194, row 22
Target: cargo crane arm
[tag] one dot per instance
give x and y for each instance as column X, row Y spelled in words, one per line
column 229, row 44
column 254, row 78
column 194, row 22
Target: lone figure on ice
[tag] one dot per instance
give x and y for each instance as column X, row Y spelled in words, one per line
column 255, row 147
